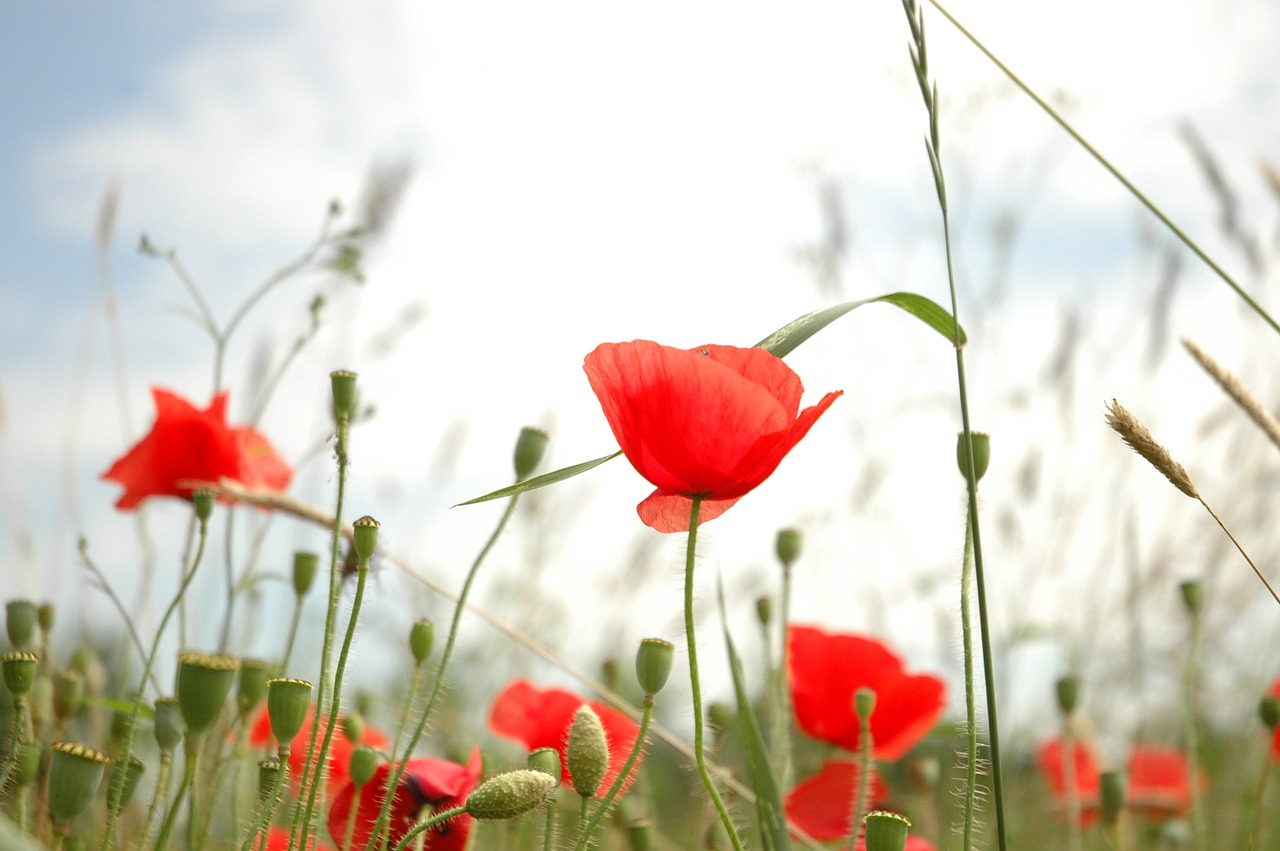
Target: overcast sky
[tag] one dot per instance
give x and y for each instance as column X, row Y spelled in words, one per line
column 587, row 172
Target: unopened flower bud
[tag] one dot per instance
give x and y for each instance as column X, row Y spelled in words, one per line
column 204, row 680
column 133, row 771
column 20, row 622
column 764, row 610
column 68, row 693
column 365, row 536
column 75, row 772
column 27, row 768
column 422, row 635
column 305, row 565
column 353, row 727
column 202, row 501
column 268, row 770
column 653, row 664
column 588, row 751
column 1068, row 694
column 1269, row 711
column 719, row 716
column 44, row 617
column 343, row 385
column 546, row 760
column 1113, row 785
column 981, row 454
column 886, row 831
column 864, row 702
column 363, row 764
column 252, row 686
column 19, row 670
column 511, row 794
column 288, row 701
column 169, row 727
column 531, row 445
column 787, row 546
column 1192, row 595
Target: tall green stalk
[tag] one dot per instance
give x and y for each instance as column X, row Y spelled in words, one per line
column 970, row 693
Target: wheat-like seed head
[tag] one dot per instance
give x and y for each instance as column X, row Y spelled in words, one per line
column 1140, row 440
column 1237, row 391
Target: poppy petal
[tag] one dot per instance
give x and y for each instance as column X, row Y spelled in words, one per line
column 822, row 805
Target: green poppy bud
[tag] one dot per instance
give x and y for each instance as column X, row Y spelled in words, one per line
column 981, row 454
column 588, row 751
column 363, row 764
column 305, row 565
column 44, row 617
column 204, row 681
column 1192, row 595
column 719, row 716
column 75, row 772
column 1068, row 694
column 343, row 385
column 764, row 610
column 864, row 703
column 886, row 831
column 787, row 546
column 609, row 673
column 252, row 686
column 20, row 622
column 268, row 771
column 19, row 671
column 202, row 501
column 27, row 767
column 640, row 835
column 531, row 445
column 365, row 536
column 508, row 795
column 546, row 760
column 132, row 773
column 1269, row 711
column 421, row 636
column 353, row 727
column 653, row 664
column 288, row 702
column 169, row 724
column 1113, row 785
column 68, row 693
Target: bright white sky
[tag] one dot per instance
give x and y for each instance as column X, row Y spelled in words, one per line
column 590, row 172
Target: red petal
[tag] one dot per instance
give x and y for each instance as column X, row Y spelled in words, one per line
column 822, row 805
column 667, row 512
column 1159, row 782
column 260, row 465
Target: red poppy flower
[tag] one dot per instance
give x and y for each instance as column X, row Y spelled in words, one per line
column 828, row 669
column 1158, row 786
column 340, row 748
column 426, row 783
column 822, row 805
column 712, row 422
column 278, row 840
column 187, row 444
column 1275, row 737
column 540, row 718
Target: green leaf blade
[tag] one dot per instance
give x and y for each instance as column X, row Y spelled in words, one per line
column 789, row 337
column 542, row 481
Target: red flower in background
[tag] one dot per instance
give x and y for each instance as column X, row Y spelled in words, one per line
column 1158, row 788
column 278, row 840
column 187, row 444
column 426, row 782
column 822, row 805
column 828, row 669
column 713, row 422
column 340, row 748
column 1275, row 736
column 540, row 718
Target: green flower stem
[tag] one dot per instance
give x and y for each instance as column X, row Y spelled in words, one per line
column 1075, row 838
column 1115, row 172
column 549, row 828
column 423, row 826
column 116, row 790
column 19, row 735
column 394, row 776
column 699, row 757
column 408, row 707
column 362, row 575
column 268, row 806
column 779, row 741
column 584, row 816
column 970, row 693
column 157, row 799
column 192, row 751
column 350, row 832
column 615, row 788
column 1198, row 834
column 1259, row 795
column 865, row 766
column 313, row 770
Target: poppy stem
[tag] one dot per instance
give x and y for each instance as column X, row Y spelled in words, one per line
column 700, row 757
column 422, row 826
column 1075, row 840
column 615, row 789
column 866, row 745
column 970, row 692
column 1189, row 731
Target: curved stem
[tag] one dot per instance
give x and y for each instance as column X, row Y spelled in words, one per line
column 865, row 767
column 268, row 806
column 700, row 757
column 157, row 798
column 188, row 774
column 437, row 818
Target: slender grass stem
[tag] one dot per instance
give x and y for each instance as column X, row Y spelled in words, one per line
column 1259, row 795
column 695, row 686
column 1105, row 163
column 1232, row 537
column 970, row 693
column 1198, row 833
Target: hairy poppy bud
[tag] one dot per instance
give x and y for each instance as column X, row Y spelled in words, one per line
column 864, row 703
column 787, row 546
column 305, row 565
column 364, row 762
column 365, row 536
column 202, row 501
column 20, row 622
column 1192, row 595
column 1269, row 711
column 75, row 772
column 531, row 445
column 287, row 703
column 546, row 760
column 353, row 727
column 343, row 385
column 204, row 680
column 981, row 454
column 252, row 686
column 421, row 636
column 588, row 751
column 19, row 671
column 509, row 795
column 268, row 771
column 1068, row 694
column 886, row 831
column 653, row 664
column 764, row 610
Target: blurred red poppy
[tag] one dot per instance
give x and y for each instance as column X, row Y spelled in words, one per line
column 435, row 784
column 540, row 718
column 187, row 444
column 1158, row 780
column 822, row 805
column 827, row 670
column 1274, row 691
column 712, row 422
column 340, row 747
column 278, row 840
